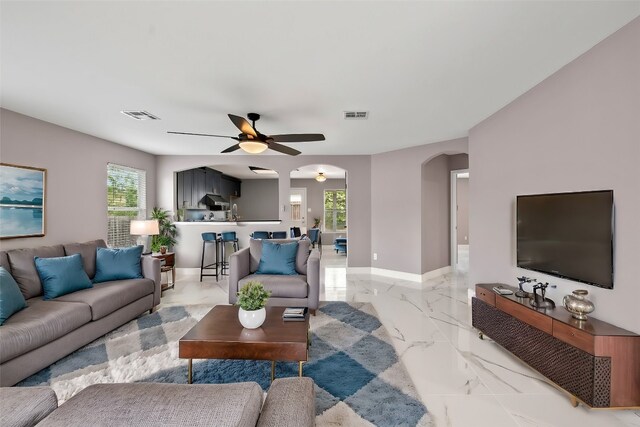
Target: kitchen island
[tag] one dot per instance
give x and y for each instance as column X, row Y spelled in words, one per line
column 189, row 241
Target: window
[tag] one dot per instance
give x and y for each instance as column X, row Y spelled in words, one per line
column 295, row 201
column 126, row 200
column 335, row 210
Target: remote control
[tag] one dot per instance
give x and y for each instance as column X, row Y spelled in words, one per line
column 502, row 291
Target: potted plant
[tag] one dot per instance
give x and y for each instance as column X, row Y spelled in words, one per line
column 316, row 222
column 252, row 298
column 163, row 243
column 168, row 230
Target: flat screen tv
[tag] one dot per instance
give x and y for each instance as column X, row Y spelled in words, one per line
column 568, row 235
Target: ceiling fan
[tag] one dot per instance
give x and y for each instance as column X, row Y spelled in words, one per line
column 254, row 142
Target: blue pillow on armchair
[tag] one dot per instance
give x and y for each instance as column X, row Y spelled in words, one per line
column 118, row 264
column 278, row 258
column 61, row 275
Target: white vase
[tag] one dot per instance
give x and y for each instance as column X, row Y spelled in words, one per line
column 252, row 319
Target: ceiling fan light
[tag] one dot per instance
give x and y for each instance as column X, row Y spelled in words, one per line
column 253, row 147
column 321, row 177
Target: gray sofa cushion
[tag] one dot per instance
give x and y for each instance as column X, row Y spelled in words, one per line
column 4, row 261
column 280, row 285
column 107, row 297
column 23, row 269
column 88, row 252
column 26, row 406
column 290, row 402
column 38, row 324
column 255, row 249
column 153, row 404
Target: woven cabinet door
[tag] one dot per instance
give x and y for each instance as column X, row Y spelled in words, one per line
column 584, row 375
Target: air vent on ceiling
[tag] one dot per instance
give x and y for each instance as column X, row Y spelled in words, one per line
column 140, row 115
column 356, row 115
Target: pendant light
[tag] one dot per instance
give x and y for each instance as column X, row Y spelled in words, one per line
column 321, row 177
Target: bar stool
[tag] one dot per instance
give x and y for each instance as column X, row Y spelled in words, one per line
column 279, row 235
column 209, row 239
column 226, row 237
column 260, row 235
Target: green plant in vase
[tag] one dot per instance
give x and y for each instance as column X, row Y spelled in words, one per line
column 252, row 299
column 168, row 230
column 316, row 222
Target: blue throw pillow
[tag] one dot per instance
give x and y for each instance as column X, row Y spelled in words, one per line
column 278, row 258
column 118, row 264
column 62, row 275
column 11, row 299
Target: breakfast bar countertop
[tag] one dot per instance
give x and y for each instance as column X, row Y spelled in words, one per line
column 240, row 222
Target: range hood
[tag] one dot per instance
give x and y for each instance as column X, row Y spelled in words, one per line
column 215, row 201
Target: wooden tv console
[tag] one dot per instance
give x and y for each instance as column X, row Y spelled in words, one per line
column 597, row 363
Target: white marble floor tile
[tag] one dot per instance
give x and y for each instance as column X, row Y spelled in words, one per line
column 498, row 369
column 442, row 371
column 468, row 411
column 556, row 411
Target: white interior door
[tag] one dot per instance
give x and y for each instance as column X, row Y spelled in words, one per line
column 298, row 208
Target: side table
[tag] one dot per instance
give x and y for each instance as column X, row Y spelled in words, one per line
column 168, row 263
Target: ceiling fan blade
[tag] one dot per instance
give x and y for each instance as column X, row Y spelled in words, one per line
column 203, row 134
column 283, row 149
column 244, row 126
column 231, row 149
column 298, row 137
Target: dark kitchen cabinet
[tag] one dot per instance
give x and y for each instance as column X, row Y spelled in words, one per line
column 230, row 187
column 213, row 181
column 187, row 181
column 180, row 190
column 192, row 185
column 198, row 189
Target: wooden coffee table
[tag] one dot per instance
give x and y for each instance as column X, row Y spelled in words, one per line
column 219, row 335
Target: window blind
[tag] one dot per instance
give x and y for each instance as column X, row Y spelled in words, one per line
column 126, row 200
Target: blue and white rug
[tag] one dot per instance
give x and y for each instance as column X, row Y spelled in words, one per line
column 359, row 378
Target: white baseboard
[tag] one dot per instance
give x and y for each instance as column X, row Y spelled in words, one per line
column 436, row 273
column 412, row 277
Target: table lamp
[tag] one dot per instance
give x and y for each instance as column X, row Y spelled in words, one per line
column 144, row 229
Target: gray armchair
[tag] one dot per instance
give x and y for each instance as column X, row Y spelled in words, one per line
column 301, row 290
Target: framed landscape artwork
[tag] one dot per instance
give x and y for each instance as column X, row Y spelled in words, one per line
column 22, row 201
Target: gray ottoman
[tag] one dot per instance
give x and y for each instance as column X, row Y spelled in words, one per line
column 289, row 403
column 152, row 404
column 26, row 406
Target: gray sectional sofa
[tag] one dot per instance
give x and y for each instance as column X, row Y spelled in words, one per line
column 300, row 290
column 290, row 402
column 46, row 331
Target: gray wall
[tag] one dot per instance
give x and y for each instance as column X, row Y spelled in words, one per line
column 580, row 128
column 259, row 199
column 76, row 187
column 462, row 195
column 315, row 201
column 436, row 210
column 358, row 169
column 396, row 204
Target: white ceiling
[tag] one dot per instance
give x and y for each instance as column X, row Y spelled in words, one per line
column 426, row 71
column 241, row 172
column 303, row 172
column 311, row 171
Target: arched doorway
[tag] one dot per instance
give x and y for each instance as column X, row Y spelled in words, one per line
column 438, row 211
column 319, row 201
